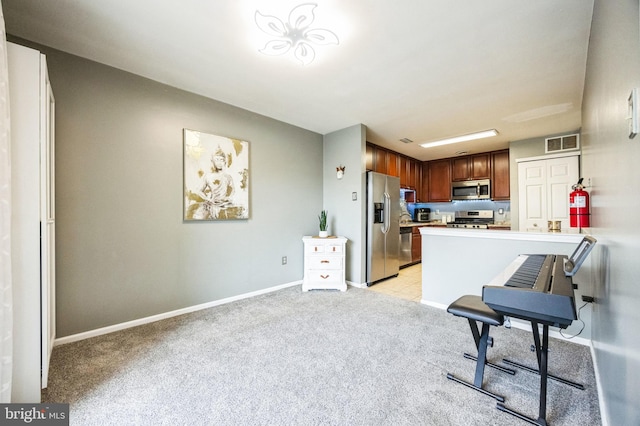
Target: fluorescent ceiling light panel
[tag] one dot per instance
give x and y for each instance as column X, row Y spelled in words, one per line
column 463, row 138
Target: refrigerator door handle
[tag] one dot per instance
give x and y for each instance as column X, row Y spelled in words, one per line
column 387, row 213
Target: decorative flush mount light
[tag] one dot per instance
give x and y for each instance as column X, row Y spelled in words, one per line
column 295, row 34
column 463, row 138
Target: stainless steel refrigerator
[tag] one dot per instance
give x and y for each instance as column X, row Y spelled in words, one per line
column 383, row 226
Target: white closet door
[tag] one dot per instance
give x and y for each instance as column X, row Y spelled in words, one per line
column 562, row 173
column 47, row 222
column 532, row 180
column 544, row 187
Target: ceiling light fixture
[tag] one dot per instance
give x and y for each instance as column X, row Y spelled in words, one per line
column 295, row 34
column 463, row 138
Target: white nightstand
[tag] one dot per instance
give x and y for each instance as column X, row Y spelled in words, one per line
column 324, row 262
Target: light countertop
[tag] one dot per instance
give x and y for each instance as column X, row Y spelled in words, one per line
column 571, row 235
column 433, row 223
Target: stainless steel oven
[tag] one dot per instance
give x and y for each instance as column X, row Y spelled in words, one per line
column 474, row 219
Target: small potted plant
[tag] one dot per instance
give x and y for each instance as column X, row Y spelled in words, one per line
column 322, row 218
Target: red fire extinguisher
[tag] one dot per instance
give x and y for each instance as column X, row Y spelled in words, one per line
column 579, row 206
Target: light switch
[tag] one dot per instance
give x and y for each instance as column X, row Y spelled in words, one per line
column 354, row 196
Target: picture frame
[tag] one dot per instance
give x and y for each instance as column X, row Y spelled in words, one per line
column 216, row 177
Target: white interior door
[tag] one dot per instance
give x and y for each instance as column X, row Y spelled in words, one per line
column 544, row 187
column 562, row 174
column 47, row 223
column 532, row 181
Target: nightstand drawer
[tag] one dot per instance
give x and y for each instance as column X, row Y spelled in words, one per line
column 325, row 262
column 323, row 247
column 326, row 276
column 315, row 248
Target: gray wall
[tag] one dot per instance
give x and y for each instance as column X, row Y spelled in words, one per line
column 347, row 217
column 611, row 160
column 123, row 250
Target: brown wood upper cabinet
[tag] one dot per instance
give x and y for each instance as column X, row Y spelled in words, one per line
column 432, row 179
column 423, row 191
column 370, row 156
column 500, row 175
column 409, row 173
column 471, row 167
column 391, row 163
column 382, row 161
column 440, row 180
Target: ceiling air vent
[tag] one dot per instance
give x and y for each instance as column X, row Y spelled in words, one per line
column 562, row 143
column 406, row 140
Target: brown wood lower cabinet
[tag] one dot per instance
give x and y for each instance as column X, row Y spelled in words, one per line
column 416, row 245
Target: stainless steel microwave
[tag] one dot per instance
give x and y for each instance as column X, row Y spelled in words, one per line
column 471, row 190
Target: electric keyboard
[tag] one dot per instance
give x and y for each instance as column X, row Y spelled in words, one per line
column 538, row 287
column 533, row 288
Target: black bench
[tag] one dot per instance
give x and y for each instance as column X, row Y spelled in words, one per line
column 474, row 310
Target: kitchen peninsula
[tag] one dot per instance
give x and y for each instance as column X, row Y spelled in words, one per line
column 456, row 262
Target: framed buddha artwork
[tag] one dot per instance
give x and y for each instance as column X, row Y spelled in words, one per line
column 216, row 177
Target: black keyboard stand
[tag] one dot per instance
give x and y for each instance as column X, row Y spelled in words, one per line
column 542, row 353
column 475, row 311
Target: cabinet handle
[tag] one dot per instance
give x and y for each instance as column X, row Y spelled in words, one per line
column 324, row 277
column 325, row 261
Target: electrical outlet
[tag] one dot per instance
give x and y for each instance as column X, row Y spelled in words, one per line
column 284, row 260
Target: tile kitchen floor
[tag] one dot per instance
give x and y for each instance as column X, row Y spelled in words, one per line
column 407, row 285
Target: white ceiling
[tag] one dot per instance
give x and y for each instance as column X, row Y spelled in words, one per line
column 420, row 69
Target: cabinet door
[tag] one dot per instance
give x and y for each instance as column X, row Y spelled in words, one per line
column 460, row 169
column 440, row 180
column 404, row 172
column 423, row 194
column 412, row 174
column 392, row 164
column 370, row 156
column 380, row 161
column 416, row 245
column 480, row 166
column 500, row 176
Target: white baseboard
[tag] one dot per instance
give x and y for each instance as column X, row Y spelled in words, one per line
column 434, row 304
column 604, row 415
column 122, row 326
column 357, row 285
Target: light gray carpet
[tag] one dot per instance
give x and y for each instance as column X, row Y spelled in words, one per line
column 316, row 358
